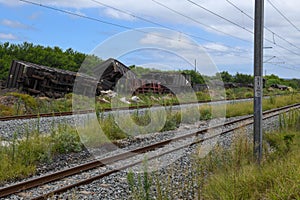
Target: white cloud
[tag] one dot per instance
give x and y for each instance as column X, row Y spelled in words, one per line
column 216, row 47
column 10, row 3
column 8, row 36
column 13, row 24
column 165, row 40
column 154, row 12
column 34, row 16
column 118, row 15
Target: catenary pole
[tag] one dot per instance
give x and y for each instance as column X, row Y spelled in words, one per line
column 258, row 80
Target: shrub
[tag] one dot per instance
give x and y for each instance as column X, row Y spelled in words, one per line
column 66, row 140
column 29, row 102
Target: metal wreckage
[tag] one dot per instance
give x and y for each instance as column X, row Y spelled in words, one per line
column 51, row 82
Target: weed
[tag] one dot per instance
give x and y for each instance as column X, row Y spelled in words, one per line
column 231, row 173
column 140, row 189
column 66, row 140
column 19, row 159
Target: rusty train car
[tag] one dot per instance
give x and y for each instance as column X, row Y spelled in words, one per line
column 41, row 80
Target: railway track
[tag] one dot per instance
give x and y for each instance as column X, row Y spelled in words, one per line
column 32, row 183
column 69, row 113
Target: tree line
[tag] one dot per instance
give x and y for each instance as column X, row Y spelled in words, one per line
column 243, row 79
column 48, row 56
column 72, row 60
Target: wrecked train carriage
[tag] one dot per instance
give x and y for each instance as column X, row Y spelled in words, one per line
column 165, row 83
column 41, row 80
column 111, row 71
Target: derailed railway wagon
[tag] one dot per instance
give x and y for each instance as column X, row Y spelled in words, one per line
column 41, row 80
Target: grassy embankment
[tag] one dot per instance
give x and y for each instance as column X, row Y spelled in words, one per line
column 23, row 104
column 19, row 159
column 232, row 173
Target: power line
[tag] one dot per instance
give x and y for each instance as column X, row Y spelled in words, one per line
column 198, row 22
column 77, row 14
column 249, row 16
column 289, row 21
column 213, row 13
column 282, row 38
column 110, row 23
column 114, row 24
column 149, row 21
column 285, row 59
column 158, row 24
column 285, row 67
column 273, row 42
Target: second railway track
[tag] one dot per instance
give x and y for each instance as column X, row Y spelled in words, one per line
column 100, row 164
column 69, row 113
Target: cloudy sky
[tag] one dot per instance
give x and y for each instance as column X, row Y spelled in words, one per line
column 222, row 28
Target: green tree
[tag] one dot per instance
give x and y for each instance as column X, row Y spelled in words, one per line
column 47, row 56
column 196, row 77
column 243, row 78
column 226, row 77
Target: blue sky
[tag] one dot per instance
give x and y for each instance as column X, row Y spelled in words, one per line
column 228, row 46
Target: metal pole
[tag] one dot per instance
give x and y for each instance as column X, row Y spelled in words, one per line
column 258, row 82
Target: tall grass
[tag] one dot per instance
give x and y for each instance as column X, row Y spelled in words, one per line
column 231, row 173
column 20, row 157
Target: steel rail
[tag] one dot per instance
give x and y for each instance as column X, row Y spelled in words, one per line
column 25, row 185
column 69, row 113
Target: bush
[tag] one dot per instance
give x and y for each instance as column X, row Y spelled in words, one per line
column 66, row 140
column 20, row 157
column 6, row 110
column 29, row 102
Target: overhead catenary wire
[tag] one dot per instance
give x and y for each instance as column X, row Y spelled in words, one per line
column 111, row 23
column 114, row 24
column 198, row 22
column 285, row 59
column 121, row 26
column 164, row 26
column 282, row 66
column 244, row 28
column 149, row 21
column 268, row 40
column 287, row 19
column 249, row 16
column 214, row 13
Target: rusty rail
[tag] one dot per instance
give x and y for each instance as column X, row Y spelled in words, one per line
column 109, row 160
column 68, row 113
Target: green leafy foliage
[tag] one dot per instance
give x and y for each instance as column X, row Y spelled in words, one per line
column 48, row 56
column 66, row 140
column 28, row 102
column 20, row 157
column 196, row 77
column 231, row 173
column 274, row 79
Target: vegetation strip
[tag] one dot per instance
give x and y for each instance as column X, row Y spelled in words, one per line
column 231, row 172
column 86, row 181
column 59, row 175
column 57, row 114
